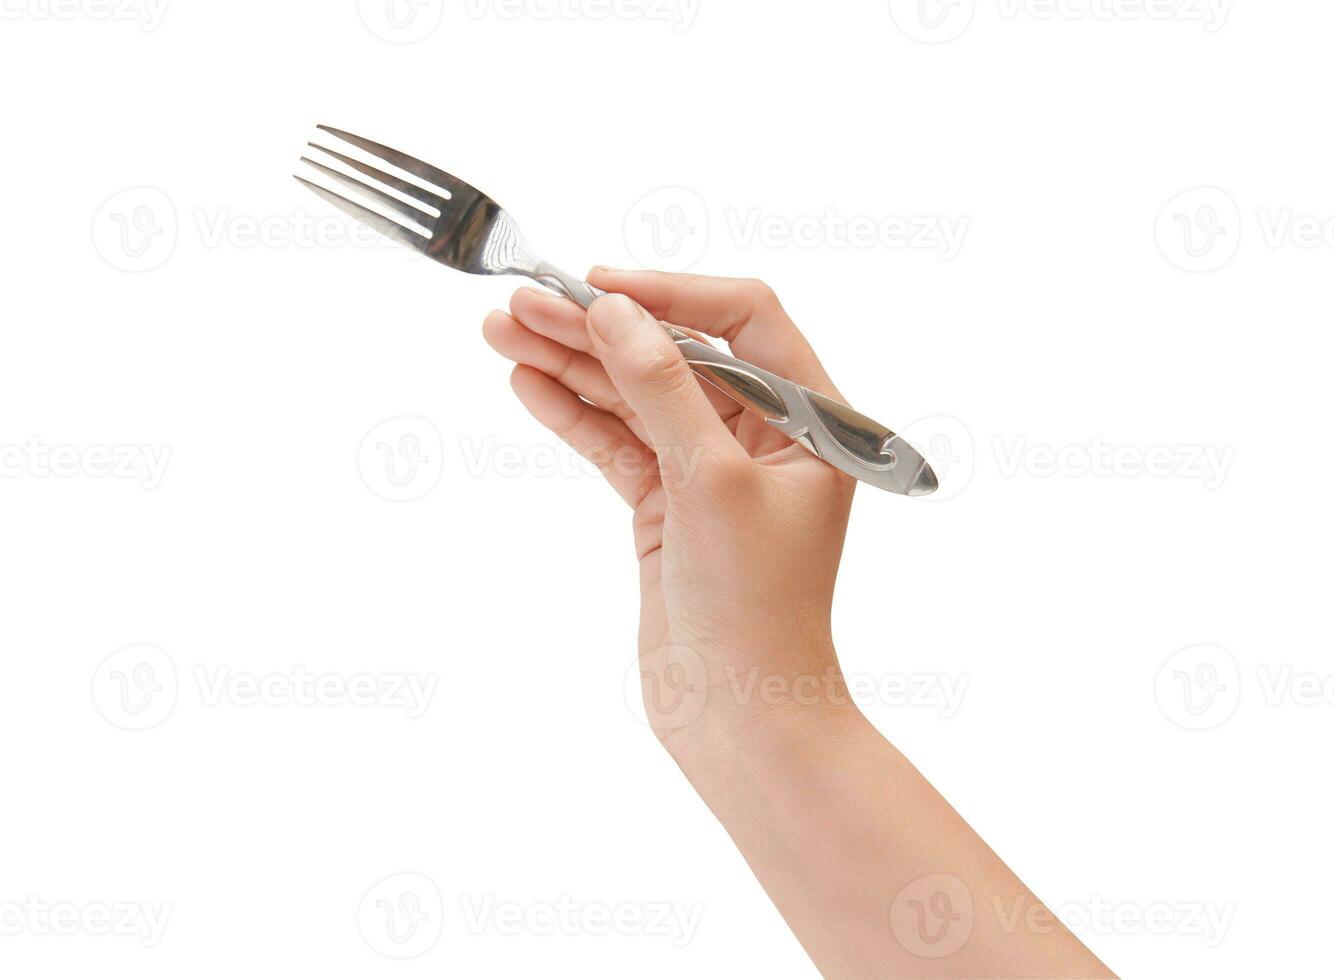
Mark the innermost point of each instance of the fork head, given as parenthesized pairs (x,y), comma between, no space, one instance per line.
(437,214)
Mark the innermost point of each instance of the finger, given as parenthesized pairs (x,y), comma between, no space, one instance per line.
(647,367)
(563,320)
(743,312)
(602,439)
(566,322)
(581,373)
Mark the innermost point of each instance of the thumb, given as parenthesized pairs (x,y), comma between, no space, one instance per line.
(648,370)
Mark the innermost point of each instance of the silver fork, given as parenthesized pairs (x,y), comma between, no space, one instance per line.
(459,226)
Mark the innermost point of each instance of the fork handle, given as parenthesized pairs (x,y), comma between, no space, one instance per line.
(843,438)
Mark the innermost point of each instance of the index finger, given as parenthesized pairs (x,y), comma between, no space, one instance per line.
(744,312)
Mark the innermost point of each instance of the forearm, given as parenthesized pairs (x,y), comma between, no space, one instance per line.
(875,873)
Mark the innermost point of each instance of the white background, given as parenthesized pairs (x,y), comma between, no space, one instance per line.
(1099,306)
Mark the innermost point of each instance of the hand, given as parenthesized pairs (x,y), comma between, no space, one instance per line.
(739,534)
(738,531)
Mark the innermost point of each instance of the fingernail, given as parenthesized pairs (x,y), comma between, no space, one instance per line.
(611,315)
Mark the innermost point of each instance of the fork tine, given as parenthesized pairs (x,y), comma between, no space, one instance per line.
(366,216)
(414,191)
(401,160)
(388,200)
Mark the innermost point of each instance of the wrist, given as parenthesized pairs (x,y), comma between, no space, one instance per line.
(747,719)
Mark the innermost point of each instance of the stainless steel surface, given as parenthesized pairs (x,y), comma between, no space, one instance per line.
(459,226)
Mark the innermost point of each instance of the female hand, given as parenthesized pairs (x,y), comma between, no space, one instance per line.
(738,531)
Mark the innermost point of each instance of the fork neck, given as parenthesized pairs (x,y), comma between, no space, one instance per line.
(571,287)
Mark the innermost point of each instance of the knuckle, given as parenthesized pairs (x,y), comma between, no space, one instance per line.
(664,371)
(759,295)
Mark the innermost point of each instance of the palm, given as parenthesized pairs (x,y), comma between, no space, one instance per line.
(565,386)
(653,539)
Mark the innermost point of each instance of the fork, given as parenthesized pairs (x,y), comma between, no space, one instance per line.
(457,225)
